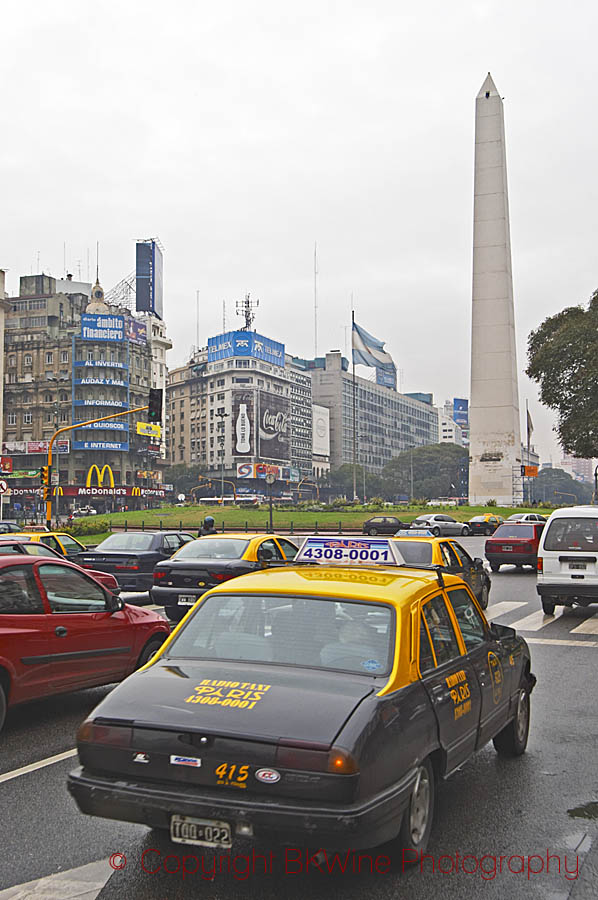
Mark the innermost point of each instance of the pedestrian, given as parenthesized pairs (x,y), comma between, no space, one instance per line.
(208,527)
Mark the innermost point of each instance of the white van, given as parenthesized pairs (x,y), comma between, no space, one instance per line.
(568,558)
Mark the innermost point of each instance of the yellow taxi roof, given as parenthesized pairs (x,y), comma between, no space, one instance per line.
(37,535)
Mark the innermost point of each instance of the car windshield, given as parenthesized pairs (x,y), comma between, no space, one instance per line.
(326,634)
(572,534)
(422,519)
(516,517)
(213,548)
(478,519)
(514,531)
(130,540)
(416,553)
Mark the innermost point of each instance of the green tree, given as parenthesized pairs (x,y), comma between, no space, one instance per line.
(563,360)
(183,478)
(556,486)
(341,482)
(439,470)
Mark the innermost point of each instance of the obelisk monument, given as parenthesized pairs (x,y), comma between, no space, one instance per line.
(495,439)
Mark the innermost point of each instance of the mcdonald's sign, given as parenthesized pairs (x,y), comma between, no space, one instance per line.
(136,492)
(58,492)
(100,475)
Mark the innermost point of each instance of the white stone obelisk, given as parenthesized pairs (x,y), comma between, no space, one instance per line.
(495,438)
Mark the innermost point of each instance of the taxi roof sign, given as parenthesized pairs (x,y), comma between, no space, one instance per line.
(413,532)
(342,551)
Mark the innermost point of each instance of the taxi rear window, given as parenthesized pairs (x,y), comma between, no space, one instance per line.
(572,534)
(416,553)
(514,531)
(213,548)
(304,631)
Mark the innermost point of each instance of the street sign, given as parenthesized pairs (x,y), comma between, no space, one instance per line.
(3,486)
(149,429)
(270,478)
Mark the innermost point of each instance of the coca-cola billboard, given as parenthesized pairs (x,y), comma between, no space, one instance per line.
(274,427)
(243,430)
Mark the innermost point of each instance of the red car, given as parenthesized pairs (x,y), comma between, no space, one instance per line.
(20,544)
(60,630)
(514,543)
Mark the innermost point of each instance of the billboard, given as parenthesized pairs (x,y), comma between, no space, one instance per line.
(135,331)
(260,470)
(245,343)
(100,445)
(461,411)
(387,378)
(274,427)
(34,447)
(102,327)
(149,278)
(321,431)
(243,430)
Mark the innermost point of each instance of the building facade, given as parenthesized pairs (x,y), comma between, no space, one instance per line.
(387,422)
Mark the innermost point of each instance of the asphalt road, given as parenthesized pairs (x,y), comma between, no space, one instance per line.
(515,809)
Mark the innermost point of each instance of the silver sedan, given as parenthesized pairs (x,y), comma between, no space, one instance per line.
(441,525)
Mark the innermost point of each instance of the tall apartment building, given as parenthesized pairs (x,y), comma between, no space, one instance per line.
(580,469)
(241,399)
(70,357)
(387,422)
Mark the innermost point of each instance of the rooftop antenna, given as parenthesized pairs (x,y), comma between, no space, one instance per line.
(64,257)
(224,315)
(245,308)
(88,268)
(97,262)
(79,268)
(38,262)
(315,299)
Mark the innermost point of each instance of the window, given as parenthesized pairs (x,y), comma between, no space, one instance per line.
(271,546)
(70,545)
(49,358)
(12,360)
(11,418)
(64,397)
(69,591)
(442,633)
(18,592)
(28,359)
(50,541)
(289,549)
(415,553)
(426,657)
(64,356)
(570,534)
(469,619)
(27,418)
(48,398)
(449,556)
(466,559)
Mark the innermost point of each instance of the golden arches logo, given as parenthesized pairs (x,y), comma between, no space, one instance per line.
(136,492)
(100,475)
(58,492)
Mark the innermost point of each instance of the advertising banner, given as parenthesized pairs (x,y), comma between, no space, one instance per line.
(108,426)
(17,447)
(461,411)
(149,429)
(100,445)
(102,327)
(245,343)
(149,278)
(135,331)
(245,470)
(321,431)
(6,465)
(274,427)
(387,378)
(263,469)
(243,430)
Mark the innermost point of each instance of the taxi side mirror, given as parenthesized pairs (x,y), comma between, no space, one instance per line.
(499,631)
(478,563)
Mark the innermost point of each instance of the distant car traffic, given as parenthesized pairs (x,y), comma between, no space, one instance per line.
(131,555)
(486,524)
(514,543)
(430,551)
(60,631)
(180,581)
(440,524)
(7,527)
(23,544)
(383,525)
(62,543)
(526,517)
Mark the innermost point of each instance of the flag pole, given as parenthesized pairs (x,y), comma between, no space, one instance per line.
(528,450)
(354,410)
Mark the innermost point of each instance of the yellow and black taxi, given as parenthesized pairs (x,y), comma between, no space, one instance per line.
(421,548)
(207,561)
(311,705)
(64,544)
(485,524)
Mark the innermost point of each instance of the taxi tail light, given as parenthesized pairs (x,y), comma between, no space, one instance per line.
(158,575)
(313,757)
(540,564)
(222,576)
(110,735)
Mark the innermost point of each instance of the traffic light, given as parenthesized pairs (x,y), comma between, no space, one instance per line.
(154,413)
(47,493)
(44,475)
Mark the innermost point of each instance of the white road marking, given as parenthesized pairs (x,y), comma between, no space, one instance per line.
(501,609)
(49,761)
(590,626)
(83,883)
(562,643)
(534,622)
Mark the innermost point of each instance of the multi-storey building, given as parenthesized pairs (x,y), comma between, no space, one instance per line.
(70,357)
(387,422)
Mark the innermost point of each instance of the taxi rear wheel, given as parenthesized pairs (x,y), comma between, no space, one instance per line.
(417,818)
(484,595)
(512,740)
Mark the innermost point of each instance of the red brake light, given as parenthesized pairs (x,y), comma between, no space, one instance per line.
(222,576)
(110,735)
(158,575)
(126,567)
(540,564)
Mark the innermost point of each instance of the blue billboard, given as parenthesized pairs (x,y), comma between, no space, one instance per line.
(149,278)
(101,445)
(245,343)
(387,378)
(102,327)
(460,411)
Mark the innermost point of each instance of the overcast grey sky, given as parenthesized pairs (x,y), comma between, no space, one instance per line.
(240,133)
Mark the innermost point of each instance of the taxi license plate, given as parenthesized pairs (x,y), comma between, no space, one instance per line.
(203,832)
(187,599)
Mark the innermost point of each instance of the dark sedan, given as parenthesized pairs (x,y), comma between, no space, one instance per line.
(485,525)
(383,525)
(132,555)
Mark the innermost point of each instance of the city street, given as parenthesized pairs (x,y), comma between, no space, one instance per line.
(521,810)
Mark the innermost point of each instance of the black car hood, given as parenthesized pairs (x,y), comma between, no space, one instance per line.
(283,702)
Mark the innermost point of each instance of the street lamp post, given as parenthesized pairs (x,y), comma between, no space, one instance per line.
(221,441)
(270,479)
(596,485)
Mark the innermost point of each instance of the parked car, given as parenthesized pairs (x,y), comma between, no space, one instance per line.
(22,544)
(7,527)
(440,524)
(568,559)
(526,517)
(430,551)
(131,555)
(180,581)
(514,543)
(486,524)
(60,631)
(383,525)
(63,543)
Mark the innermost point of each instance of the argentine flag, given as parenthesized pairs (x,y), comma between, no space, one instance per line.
(369,351)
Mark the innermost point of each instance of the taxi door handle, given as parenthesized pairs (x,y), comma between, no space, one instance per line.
(60,631)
